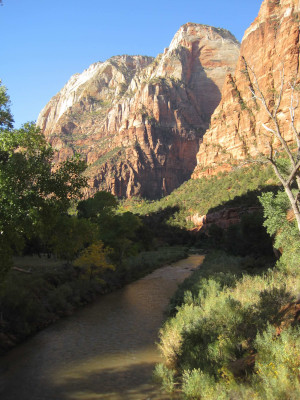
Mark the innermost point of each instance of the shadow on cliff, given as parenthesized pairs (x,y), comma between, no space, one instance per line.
(249,199)
(176,139)
(195,111)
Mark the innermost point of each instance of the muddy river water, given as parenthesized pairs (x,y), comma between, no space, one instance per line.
(106,350)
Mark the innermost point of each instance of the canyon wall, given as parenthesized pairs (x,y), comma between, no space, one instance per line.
(270,49)
(138,121)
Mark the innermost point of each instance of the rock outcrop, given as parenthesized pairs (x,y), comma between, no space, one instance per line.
(138,121)
(222,218)
(270,48)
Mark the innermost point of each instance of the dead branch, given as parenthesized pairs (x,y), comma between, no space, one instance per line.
(22,270)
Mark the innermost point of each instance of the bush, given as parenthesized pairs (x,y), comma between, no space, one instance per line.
(197,385)
(220,321)
(165,377)
(278,364)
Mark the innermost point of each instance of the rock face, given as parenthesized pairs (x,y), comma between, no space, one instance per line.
(223,218)
(269,46)
(138,120)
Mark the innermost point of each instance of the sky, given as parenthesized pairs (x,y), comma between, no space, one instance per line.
(45,42)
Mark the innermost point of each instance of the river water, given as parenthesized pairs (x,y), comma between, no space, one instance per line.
(106,350)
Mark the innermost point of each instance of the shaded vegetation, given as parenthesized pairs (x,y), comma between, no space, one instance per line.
(238,188)
(233,330)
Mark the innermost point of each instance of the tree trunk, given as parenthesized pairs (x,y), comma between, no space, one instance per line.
(294,205)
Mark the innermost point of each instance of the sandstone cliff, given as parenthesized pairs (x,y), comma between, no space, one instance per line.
(137,120)
(269,46)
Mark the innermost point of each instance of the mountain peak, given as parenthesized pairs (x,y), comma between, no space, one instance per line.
(138,120)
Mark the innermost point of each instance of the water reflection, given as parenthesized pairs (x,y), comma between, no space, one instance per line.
(104,351)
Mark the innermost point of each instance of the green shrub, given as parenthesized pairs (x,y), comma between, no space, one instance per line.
(165,377)
(219,318)
(277,366)
(199,386)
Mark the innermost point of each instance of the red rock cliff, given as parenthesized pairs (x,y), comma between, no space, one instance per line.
(138,121)
(270,45)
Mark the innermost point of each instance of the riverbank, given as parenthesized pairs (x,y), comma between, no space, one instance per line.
(42,290)
(234,331)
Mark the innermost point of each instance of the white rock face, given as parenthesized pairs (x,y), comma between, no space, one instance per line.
(67,96)
(74,90)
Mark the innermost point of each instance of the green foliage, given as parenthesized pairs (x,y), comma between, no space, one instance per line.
(69,235)
(111,156)
(123,232)
(199,385)
(235,189)
(165,377)
(286,234)
(6,119)
(94,260)
(119,232)
(221,316)
(30,189)
(278,364)
(29,302)
(102,203)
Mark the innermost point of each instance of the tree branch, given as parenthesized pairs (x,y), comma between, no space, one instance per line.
(293,173)
(292,114)
(273,116)
(22,270)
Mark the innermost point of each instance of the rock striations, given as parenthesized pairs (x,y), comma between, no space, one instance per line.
(269,46)
(137,120)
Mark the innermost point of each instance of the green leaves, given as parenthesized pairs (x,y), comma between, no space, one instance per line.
(102,203)
(32,193)
(6,119)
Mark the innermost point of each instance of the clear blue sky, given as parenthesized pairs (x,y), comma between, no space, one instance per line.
(45,42)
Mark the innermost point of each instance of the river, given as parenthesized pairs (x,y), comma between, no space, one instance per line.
(105,350)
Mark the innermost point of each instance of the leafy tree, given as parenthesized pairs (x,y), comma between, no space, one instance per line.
(281,226)
(102,203)
(94,260)
(6,119)
(69,235)
(30,188)
(119,233)
(28,183)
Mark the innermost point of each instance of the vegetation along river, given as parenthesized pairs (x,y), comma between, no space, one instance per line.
(106,350)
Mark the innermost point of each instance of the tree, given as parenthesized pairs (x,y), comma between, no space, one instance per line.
(119,233)
(28,183)
(6,119)
(284,157)
(65,235)
(29,186)
(94,260)
(102,203)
